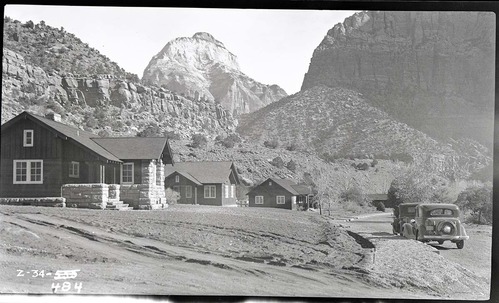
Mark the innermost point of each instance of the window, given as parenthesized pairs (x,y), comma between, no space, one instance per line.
(232,190)
(226,191)
(127,173)
(74,169)
(28,171)
(280,200)
(177,179)
(210,191)
(28,138)
(258,199)
(188,191)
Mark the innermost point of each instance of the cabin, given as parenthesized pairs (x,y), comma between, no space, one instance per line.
(377,199)
(204,182)
(280,193)
(42,157)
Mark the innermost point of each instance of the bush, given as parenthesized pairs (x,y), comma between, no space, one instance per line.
(152,130)
(171,135)
(362,166)
(353,194)
(171,196)
(374,163)
(292,146)
(199,140)
(380,206)
(274,143)
(231,140)
(277,162)
(291,165)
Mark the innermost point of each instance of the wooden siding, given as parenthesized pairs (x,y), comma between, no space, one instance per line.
(270,193)
(219,200)
(56,154)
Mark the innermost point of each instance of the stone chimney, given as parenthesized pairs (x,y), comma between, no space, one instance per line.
(53,116)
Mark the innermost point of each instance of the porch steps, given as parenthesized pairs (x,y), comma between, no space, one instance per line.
(117,205)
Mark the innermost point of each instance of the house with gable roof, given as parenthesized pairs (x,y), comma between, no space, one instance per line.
(279,193)
(204,182)
(41,157)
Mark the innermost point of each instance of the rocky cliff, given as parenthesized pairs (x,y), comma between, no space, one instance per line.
(201,67)
(432,70)
(29,87)
(339,123)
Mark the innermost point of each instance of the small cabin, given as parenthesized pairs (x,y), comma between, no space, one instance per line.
(280,193)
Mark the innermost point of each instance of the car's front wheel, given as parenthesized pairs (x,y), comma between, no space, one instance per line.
(460,244)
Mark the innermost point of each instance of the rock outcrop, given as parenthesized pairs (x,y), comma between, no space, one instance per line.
(25,85)
(202,68)
(432,70)
(338,123)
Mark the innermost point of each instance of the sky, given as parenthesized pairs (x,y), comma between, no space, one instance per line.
(272,46)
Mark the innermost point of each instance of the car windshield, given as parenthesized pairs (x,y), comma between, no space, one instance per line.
(441,212)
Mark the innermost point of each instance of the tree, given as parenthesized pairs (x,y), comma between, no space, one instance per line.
(291,165)
(277,162)
(479,200)
(274,143)
(199,140)
(152,130)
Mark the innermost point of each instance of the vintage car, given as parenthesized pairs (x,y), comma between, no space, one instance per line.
(404,213)
(437,222)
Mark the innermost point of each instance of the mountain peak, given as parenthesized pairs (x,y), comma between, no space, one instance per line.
(207,37)
(201,67)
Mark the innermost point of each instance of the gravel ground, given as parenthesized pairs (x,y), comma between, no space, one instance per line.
(212,250)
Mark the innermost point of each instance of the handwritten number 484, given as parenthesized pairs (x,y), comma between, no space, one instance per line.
(66,286)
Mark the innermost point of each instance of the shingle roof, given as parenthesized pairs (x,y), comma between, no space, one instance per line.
(290,185)
(302,189)
(81,137)
(203,171)
(128,148)
(378,196)
(287,184)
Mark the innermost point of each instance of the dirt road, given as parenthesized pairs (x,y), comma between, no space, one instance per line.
(475,256)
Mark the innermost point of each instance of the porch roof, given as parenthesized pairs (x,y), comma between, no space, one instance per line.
(135,148)
(204,171)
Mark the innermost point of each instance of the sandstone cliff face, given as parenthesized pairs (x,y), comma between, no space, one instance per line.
(432,70)
(201,67)
(25,85)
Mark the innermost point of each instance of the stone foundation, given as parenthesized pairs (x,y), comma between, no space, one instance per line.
(45,201)
(92,195)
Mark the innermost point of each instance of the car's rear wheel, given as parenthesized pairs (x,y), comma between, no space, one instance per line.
(460,244)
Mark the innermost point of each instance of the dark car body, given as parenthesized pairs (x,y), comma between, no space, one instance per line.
(439,222)
(406,212)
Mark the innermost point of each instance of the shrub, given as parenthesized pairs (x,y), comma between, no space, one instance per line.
(291,165)
(171,135)
(380,206)
(278,162)
(152,130)
(171,196)
(292,146)
(374,163)
(362,166)
(274,143)
(199,140)
(231,140)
